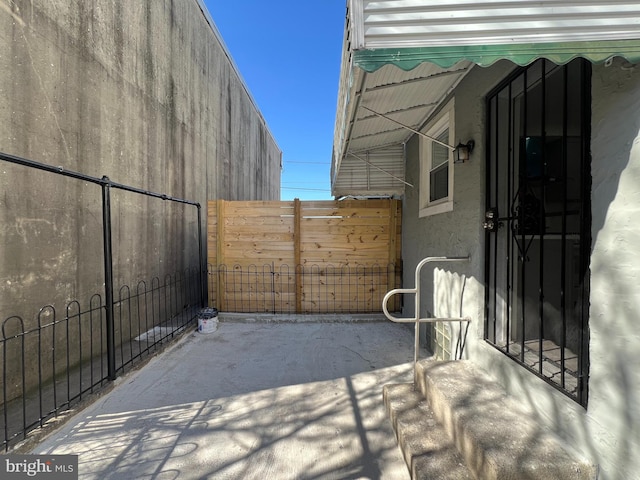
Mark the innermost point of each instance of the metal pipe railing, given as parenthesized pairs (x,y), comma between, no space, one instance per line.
(416,291)
(175,306)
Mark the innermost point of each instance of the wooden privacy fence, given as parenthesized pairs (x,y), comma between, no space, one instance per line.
(303,257)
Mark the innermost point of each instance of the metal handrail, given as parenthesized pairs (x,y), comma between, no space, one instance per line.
(416,291)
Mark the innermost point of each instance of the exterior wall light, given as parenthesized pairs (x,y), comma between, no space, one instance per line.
(462,153)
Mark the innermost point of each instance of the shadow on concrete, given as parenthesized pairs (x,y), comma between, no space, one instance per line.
(298,401)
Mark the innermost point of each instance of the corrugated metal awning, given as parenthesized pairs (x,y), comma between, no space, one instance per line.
(402,58)
(372,146)
(486,55)
(379,24)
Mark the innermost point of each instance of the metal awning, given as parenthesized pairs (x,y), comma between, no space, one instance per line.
(486,55)
(402,58)
(381,112)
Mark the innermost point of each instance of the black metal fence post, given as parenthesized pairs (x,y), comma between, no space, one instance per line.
(108,277)
(148,318)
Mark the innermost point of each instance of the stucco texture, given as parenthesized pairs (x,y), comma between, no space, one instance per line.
(607,431)
(614,382)
(142,92)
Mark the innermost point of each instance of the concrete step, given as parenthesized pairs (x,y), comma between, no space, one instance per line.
(497,438)
(428,451)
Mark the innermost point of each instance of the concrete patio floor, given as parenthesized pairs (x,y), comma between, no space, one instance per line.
(250,401)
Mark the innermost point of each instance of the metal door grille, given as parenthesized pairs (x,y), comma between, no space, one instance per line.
(538,221)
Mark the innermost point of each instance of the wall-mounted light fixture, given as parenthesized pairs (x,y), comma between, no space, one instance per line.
(462,153)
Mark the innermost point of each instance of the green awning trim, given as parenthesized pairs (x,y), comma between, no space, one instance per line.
(485,55)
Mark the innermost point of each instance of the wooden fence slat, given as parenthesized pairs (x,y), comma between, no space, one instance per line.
(345,221)
(220,258)
(289,239)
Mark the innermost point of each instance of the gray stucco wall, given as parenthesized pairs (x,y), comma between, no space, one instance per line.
(142,92)
(608,430)
(459,232)
(614,398)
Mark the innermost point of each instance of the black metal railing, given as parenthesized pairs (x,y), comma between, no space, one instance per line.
(313,288)
(51,367)
(54,360)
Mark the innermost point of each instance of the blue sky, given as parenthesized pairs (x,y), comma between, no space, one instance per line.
(288,53)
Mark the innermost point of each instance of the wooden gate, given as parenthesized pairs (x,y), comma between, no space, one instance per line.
(300,257)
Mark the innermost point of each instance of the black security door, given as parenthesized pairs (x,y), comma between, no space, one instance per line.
(538,221)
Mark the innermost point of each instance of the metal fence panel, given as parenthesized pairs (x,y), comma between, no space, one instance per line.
(53,360)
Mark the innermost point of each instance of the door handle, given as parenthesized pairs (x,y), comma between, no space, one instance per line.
(491,220)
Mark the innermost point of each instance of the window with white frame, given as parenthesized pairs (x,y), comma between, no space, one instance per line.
(436,165)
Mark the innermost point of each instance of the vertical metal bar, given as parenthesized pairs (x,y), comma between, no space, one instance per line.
(310,287)
(325,304)
(237,292)
(350,270)
(53,363)
(139,318)
(223,276)
(331,289)
(371,288)
(522,183)
(496,237)
(5,414)
(168,304)
(277,289)
(245,298)
(314,278)
(202,261)
(120,324)
(365,294)
(286,300)
(174,281)
(563,234)
(40,365)
(585,228)
(187,294)
(175,311)
(146,310)
(416,314)
(92,309)
(416,341)
(24,382)
(509,226)
(329,278)
(353,273)
(248,293)
(80,364)
(541,220)
(273,287)
(192,278)
(253,288)
(494,161)
(108,277)
(361,287)
(491,155)
(68,366)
